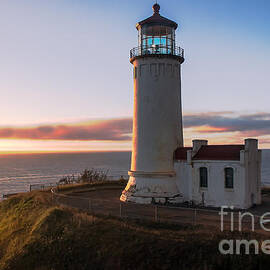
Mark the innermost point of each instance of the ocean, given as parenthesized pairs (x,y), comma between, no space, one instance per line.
(18,172)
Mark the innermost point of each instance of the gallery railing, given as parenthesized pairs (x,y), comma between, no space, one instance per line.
(157,49)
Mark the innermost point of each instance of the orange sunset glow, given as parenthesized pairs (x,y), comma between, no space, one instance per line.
(115,134)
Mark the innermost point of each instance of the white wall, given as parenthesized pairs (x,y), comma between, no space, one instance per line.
(157,130)
(157,120)
(184,179)
(215,195)
(252,161)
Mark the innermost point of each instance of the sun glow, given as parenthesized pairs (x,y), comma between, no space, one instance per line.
(10,146)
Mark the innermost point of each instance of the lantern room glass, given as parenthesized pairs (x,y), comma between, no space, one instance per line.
(156,39)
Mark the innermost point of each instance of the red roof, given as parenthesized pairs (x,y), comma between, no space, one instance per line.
(219,152)
(181,153)
(211,152)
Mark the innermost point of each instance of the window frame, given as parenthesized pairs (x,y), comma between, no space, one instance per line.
(205,186)
(227,184)
(163,39)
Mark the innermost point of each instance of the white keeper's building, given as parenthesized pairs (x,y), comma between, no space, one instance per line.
(162,169)
(216,175)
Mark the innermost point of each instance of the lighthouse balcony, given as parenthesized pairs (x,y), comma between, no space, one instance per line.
(157,49)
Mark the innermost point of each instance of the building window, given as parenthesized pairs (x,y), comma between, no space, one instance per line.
(229,177)
(203,177)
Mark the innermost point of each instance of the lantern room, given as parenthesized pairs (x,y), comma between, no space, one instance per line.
(156,35)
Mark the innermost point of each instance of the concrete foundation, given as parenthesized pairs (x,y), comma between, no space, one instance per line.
(149,188)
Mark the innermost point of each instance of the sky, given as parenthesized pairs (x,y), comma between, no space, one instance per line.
(66,81)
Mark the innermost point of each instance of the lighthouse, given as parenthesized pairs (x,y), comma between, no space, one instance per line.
(157,119)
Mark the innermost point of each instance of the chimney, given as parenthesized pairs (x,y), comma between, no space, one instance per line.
(197,145)
(251,144)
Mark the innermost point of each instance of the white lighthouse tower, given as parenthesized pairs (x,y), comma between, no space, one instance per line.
(157,121)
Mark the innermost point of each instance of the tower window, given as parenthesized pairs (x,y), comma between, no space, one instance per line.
(203,177)
(229,177)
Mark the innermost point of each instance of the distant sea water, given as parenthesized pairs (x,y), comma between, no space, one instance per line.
(17,172)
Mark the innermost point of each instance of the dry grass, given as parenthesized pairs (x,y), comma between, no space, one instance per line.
(35,234)
(85,186)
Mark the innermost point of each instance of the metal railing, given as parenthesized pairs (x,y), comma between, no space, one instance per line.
(44,186)
(50,185)
(41,186)
(157,49)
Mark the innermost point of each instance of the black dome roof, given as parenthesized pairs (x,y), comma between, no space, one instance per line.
(156,19)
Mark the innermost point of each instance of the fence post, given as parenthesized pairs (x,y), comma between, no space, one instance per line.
(55,199)
(195,217)
(90,206)
(120,210)
(156,213)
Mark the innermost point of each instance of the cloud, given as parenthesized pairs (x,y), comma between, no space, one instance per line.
(252,124)
(113,129)
(248,125)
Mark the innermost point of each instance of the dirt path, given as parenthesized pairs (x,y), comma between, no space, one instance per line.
(105,201)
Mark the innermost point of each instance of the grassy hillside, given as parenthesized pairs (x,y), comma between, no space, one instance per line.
(34,234)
